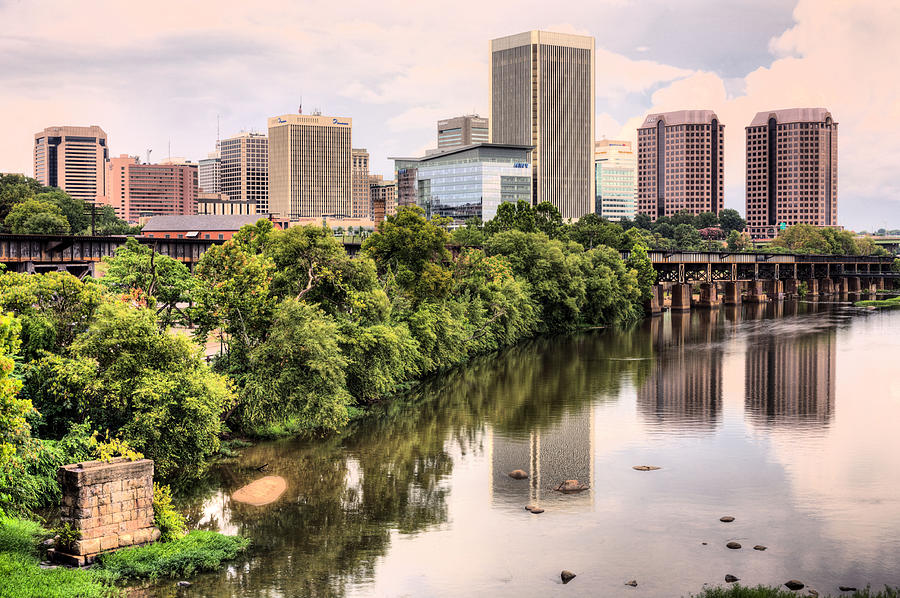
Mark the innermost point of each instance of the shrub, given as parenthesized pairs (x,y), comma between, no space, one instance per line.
(170,522)
(196,552)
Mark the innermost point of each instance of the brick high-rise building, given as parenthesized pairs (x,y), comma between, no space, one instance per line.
(310,166)
(73,159)
(135,190)
(244,169)
(361,206)
(681,165)
(384,197)
(462,130)
(542,95)
(792,163)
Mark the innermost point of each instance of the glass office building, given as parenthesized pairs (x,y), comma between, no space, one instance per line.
(470,181)
(614,169)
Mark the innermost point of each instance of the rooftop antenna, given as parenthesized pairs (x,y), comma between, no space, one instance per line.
(300,109)
(148,155)
(218,135)
(170,149)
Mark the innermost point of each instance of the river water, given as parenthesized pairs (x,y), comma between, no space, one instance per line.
(784,416)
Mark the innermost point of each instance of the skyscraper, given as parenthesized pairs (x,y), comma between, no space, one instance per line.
(542,94)
(462,130)
(310,166)
(614,164)
(244,169)
(791,170)
(681,163)
(73,159)
(209,173)
(361,205)
(384,197)
(135,190)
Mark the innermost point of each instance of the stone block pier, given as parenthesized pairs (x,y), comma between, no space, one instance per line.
(109,503)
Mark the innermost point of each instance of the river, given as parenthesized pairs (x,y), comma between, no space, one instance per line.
(784,416)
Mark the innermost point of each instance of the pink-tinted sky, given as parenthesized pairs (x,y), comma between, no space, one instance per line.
(159,73)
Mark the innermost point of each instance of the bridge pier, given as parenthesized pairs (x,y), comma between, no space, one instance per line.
(733,293)
(853,284)
(879,283)
(775,290)
(755,292)
(681,297)
(653,306)
(812,287)
(709,295)
(827,286)
(791,287)
(843,287)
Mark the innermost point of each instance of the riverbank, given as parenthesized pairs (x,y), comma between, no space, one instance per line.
(739,591)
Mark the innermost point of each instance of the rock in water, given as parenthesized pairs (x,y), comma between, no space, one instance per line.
(530,507)
(731,578)
(759,547)
(793,584)
(566,576)
(645,467)
(632,583)
(518,474)
(812,592)
(726,519)
(847,588)
(184,584)
(537,510)
(733,545)
(571,486)
(261,492)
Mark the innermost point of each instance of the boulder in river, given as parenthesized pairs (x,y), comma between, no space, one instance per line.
(184,584)
(759,547)
(731,578)
(847,588)
(794,584)
(530,507)
(518,474)
(566,576)
(570,486)
(733,545)
(726,519)
(261,492)
(632,583)
(537,510)
(645,467)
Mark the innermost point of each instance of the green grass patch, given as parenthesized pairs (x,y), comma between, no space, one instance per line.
(22,577)
(892,302)
(292,426)
(739,591)
(21,536)
(196,552)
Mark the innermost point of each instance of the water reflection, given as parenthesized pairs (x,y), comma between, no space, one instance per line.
(739,405)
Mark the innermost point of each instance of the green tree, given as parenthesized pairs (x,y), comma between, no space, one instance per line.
(591,230)
(513,216)
(639,261)
(683,217)
(664,229)
(730,220)
(14,409)
(687,237)
(15,189)
(802,238)
(165,280)
(643,221)
(548,219)
(71,207)
(706,220)
(35,217)
(737,241)
(470,235)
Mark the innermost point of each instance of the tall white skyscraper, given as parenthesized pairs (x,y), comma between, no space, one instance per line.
(210,174)
(615,165)
(542,94)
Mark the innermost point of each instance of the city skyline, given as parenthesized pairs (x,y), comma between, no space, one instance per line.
(396,79)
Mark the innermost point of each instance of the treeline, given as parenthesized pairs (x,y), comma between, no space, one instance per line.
(307,334)
(27,207)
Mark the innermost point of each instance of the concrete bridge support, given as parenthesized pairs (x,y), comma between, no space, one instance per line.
(843,286)
(709,295)
(755,292)
(853,284)
(775,290)
(653,306)
(791,287)
(812,287)
(733,293)
(879,283)
(681,297)
(827,286)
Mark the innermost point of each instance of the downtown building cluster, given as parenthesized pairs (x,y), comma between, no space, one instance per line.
(537,144)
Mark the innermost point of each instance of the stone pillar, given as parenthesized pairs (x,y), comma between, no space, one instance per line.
(827,286)
(791,287)
(812,287)
(853,284)
(654,305)
(733,293)
(110,503)
(775,290)
(755,292)
(709,295)
(843,287)
(681,297)
(879,283)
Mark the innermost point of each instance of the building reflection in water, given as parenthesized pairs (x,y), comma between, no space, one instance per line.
(551,456)
(684,389)
(790,379)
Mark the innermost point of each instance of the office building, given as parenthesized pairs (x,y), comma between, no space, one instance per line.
(360,206)
(681,165)
(73,159)
(310,166)
(210,204)
(244,169)
(792,163)
(383,197)
(462,130)
(542,95)
(209,173)
(616,185)
(136,190)
(469,181)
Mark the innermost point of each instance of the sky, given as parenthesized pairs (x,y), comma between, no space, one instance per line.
(160,75)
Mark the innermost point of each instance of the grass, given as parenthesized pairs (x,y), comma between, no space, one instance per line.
(196,552)
(21,536)
(292,426)
(739,591)
(892,302)
(22,577)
